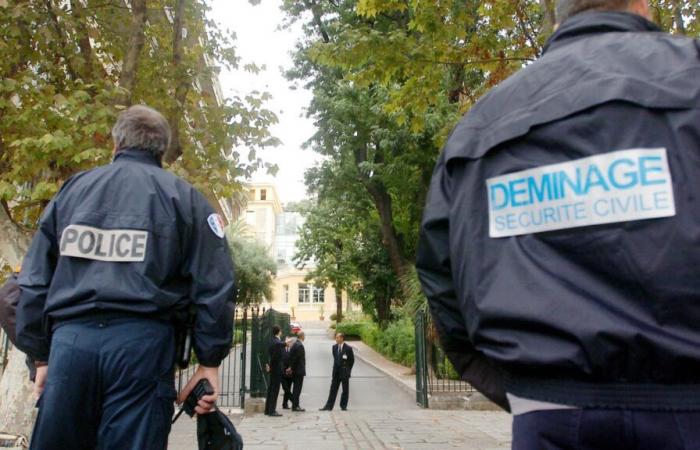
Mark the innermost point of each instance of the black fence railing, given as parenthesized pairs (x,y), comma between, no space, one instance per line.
(261,333)
(434,372)
(232,372)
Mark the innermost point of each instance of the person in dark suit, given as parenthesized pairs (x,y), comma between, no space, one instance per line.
(297,365)
(343,360)
(287,376)
(274,367)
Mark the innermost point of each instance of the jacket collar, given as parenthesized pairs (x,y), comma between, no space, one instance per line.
(136,154)
(596,22)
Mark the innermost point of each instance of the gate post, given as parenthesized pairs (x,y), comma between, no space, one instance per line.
(421,360)
(244,354)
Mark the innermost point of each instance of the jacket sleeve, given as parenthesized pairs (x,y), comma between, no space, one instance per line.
(209,268)
(35,280)
(435,272)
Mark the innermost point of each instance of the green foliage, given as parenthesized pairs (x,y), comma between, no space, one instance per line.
(60,92)
(396,341)
(350,329)
(254,270)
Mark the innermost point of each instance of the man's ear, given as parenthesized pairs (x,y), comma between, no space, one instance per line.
(642,8)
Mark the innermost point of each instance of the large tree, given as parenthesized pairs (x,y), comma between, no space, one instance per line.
(67,68)
(391,78)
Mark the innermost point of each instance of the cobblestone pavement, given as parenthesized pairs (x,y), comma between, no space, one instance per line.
(410,430)
(364,430)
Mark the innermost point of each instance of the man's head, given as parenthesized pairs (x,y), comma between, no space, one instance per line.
(339,338)
(568,8)
(301,336)
(276,330)
(142,128)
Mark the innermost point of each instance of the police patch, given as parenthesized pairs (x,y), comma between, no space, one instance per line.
(216,224)
(81,241)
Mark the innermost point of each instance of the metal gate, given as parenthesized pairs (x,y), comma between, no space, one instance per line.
(261,333)
(232,372)
(434,372)
(421,361)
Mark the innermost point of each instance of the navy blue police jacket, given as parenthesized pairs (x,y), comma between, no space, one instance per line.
(560,243)
(124,239)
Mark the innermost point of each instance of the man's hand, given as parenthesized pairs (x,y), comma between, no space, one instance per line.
(42,373)
(206,403)
(267,368)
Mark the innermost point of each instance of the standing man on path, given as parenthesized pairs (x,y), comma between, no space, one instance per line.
(559,247)
(297,364)
(287,377)
(110,263)
(343,360)
(274,367)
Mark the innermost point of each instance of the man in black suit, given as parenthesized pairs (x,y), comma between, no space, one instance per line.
(287,377)
(343,360)
(274,367)
(297,365)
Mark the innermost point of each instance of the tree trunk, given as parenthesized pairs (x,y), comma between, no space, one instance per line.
(181,86)
(17,410)
(390,239)
(137,38)
(383,305)
(338,304)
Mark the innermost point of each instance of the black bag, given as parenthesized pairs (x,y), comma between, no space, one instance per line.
(216,432)
(9,297)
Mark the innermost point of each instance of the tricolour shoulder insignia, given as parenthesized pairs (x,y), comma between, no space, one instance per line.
(216,223)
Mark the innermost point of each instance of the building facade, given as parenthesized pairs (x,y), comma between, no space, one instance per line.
(278,231)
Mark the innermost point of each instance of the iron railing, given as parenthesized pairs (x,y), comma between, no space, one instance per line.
(434,372)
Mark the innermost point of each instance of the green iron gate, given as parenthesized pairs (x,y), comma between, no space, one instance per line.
(434,372)
(261,333)
(421,361)
(232,371)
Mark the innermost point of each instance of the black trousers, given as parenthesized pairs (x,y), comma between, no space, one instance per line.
(335,384)
(110,386)
(599,429)
(297,382)
(273,391)
(287,388)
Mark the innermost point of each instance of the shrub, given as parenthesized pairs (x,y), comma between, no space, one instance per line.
(334,317)
(350,328)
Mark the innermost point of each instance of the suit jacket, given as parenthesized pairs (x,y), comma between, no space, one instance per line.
(286,360)
(275,351)
(297,359)
(343,361)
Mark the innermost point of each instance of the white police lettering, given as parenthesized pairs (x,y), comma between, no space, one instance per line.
(216,224)
(81,241)
(613,187)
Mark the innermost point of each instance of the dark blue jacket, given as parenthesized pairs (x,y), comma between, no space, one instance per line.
(599,315)
(152,245)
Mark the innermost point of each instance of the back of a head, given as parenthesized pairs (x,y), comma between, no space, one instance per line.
(276,330)
(568,8)
(142,128)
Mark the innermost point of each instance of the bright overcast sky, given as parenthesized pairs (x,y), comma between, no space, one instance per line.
(259,41)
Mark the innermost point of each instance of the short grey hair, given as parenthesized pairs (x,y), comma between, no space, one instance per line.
(143,128)
(568,8)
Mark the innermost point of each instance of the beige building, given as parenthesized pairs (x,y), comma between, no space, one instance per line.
(278,231)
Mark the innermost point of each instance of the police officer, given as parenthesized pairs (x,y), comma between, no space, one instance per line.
(118,249)
(560,244)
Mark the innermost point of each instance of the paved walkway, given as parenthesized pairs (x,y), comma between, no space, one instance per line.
(382,413)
